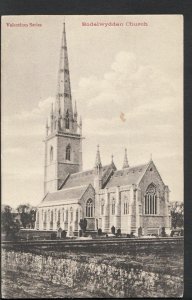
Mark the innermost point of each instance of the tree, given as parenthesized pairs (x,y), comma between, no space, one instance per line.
(83,224)
(177,214)
(10,226)
(27,215)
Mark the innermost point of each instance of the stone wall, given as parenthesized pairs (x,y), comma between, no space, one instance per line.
(91,275)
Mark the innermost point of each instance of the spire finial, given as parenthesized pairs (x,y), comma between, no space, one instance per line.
(98,158)
(125,162)
(47,127)
(64,24)
(112,158)
(52,109)
(75,109)
(151,157)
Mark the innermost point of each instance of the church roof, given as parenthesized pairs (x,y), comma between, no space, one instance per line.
(79,179)
(127,176)
(65,194)
(82,178)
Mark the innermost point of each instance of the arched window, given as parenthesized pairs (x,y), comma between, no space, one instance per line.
(102,207)
(68,153)
(45,220)
(89,208)
(113,206)
(67,120)
(77,215)
(45,217)
(51,216)
(63,214)
(126,206)
(51,153)
(151,200)
(71,214)
(67,215)
(59,215)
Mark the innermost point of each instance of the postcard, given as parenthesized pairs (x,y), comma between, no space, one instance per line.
(92,156)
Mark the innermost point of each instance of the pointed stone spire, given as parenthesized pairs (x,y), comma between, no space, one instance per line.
(125,162)
(98,159)
(64,99)
(112,158)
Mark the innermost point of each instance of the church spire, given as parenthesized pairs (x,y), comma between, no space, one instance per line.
(125,162)
(64,99)
(98,159)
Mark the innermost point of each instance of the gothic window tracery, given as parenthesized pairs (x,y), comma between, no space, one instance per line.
(151,200)
(68,153)
(89,208)
(126,206)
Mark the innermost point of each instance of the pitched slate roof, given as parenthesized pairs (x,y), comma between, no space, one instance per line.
(66,194)
(127,176)
(82,178)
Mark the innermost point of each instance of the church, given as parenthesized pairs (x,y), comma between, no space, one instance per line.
(131,199)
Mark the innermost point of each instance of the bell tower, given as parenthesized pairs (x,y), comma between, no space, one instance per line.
(63,141)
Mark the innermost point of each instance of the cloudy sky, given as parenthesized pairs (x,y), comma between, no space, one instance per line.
(132,70)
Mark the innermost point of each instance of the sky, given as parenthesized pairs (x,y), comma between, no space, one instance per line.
(134,71)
